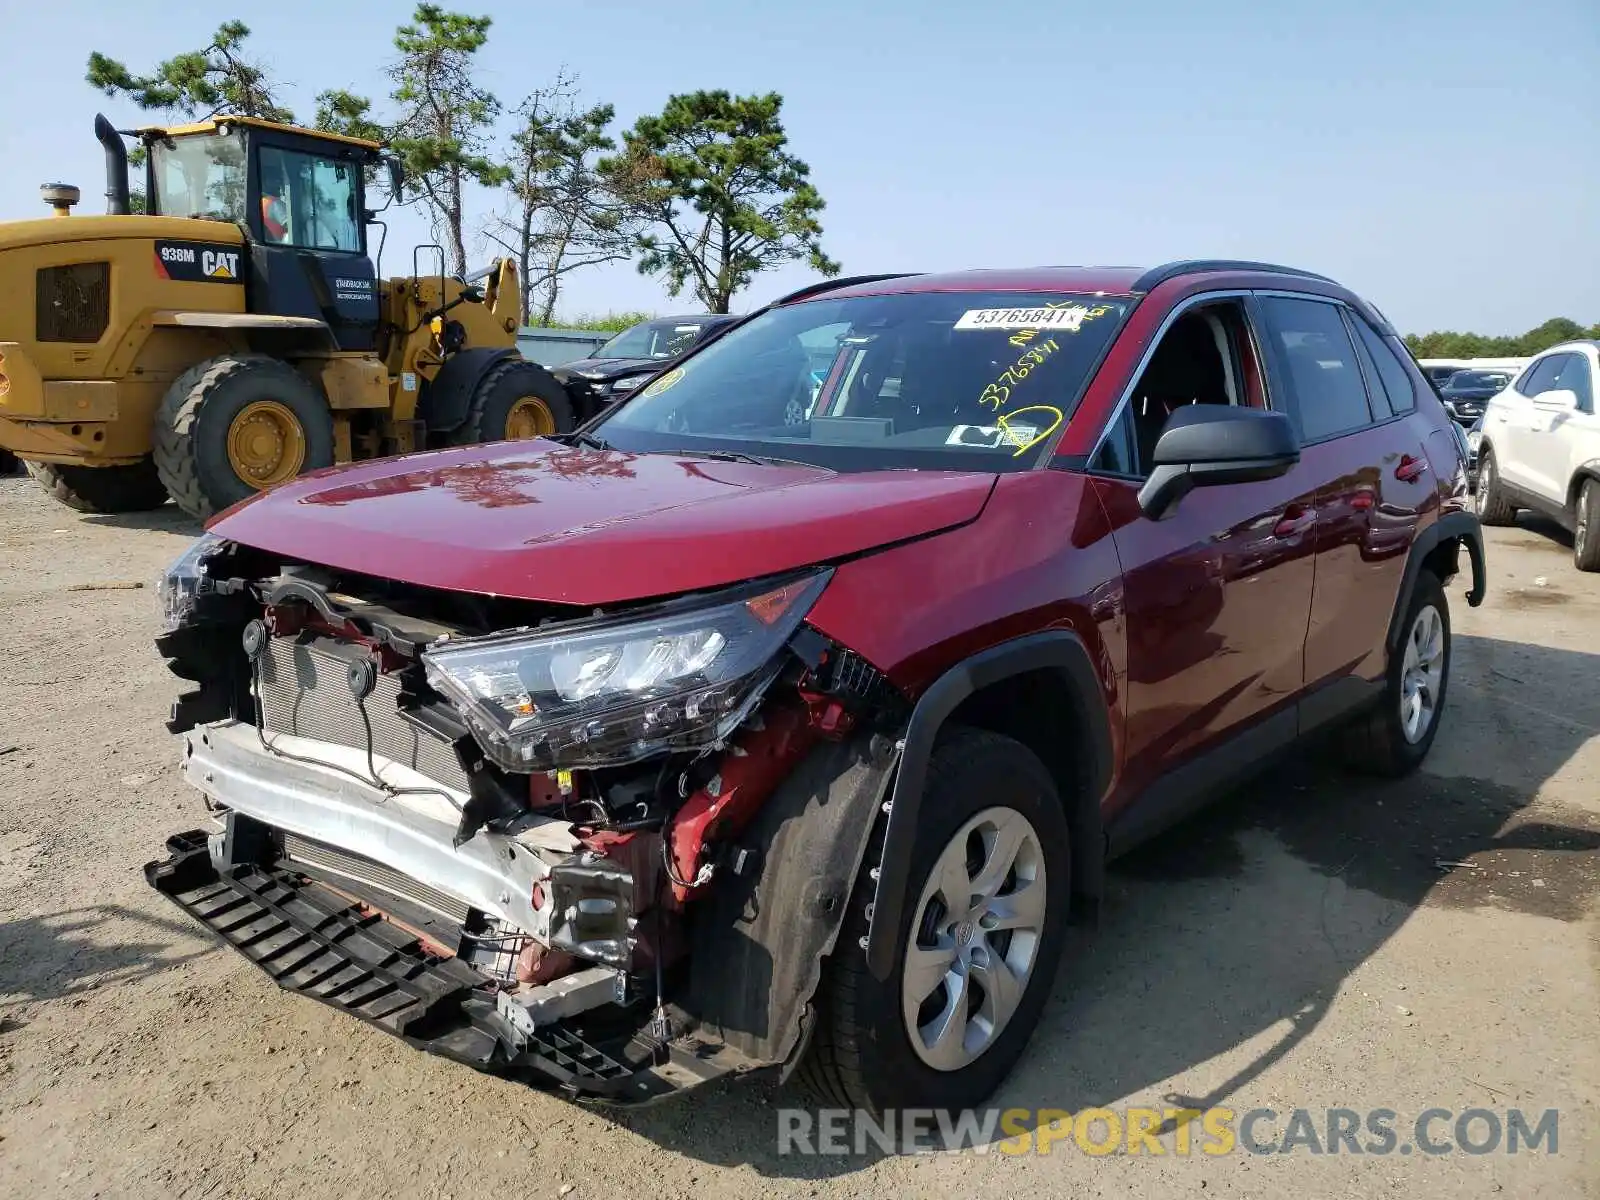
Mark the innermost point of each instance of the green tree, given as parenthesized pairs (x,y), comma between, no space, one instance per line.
(1449,344)
(718,195)
(441,133)
(561,215)
(217,79)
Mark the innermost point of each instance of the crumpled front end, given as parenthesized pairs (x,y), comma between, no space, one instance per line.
(510,835)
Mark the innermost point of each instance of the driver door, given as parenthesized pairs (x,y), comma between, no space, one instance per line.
(1217,594)
(1554,417)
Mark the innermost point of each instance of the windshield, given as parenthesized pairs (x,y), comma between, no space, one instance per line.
(652,339)
(940,380)
(1478,380)
(199,176)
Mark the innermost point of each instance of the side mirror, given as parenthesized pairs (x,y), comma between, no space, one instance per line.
(397,176)
(1557,400)
(1206,444)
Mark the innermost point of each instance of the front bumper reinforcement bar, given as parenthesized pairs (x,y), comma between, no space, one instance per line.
(314,941)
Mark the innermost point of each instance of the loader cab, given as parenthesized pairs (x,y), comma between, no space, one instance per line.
(299,195)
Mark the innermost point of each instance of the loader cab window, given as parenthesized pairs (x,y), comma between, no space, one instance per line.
(309,201)
(199,176)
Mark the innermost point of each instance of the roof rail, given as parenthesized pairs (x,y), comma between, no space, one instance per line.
(828,285)
(1193,266)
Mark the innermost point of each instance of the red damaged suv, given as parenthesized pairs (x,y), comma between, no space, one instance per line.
(777,716)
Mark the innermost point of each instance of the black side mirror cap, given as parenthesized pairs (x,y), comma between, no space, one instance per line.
(1204,445)
(397,177)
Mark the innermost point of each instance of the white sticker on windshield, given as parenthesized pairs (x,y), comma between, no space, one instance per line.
(991,436)
(1065,316)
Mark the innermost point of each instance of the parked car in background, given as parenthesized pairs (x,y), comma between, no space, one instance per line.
(1468,391)
(1540,447)
(776,722)
(634,355)
(1474,440)
(1439,373)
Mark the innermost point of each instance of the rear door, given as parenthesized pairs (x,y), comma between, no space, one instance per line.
(1368,457)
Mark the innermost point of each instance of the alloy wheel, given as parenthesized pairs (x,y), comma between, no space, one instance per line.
(975,939)
(1422,673)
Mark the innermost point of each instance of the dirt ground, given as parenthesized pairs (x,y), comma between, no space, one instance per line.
(1313,941)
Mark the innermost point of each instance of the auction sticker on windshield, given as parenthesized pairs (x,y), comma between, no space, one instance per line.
(1052,316)
(669,380)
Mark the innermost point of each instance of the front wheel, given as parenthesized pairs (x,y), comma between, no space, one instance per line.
(1586,527)
(1493,507)
(978,946)
(516,399)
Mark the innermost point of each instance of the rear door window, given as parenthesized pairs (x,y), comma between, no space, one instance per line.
(1327,392)
(1396,380)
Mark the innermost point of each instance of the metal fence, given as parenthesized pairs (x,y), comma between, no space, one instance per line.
(552,347)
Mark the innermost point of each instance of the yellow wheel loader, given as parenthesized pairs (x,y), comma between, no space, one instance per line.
(236,334)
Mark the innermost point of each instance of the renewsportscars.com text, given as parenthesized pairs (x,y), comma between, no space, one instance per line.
(1170,1131)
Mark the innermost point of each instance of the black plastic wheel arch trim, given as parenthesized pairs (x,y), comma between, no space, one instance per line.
(1462,526)
(1058,650)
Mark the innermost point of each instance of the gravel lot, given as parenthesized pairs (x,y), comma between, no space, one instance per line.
(1313,941)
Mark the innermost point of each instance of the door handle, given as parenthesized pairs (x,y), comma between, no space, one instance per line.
(1410,468)
(1295,518)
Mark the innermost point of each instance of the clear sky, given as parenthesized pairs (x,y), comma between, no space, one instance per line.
(1440,156)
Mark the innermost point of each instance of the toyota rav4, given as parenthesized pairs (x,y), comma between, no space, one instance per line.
(780,716)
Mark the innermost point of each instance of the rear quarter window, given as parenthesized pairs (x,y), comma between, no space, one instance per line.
(1392,374)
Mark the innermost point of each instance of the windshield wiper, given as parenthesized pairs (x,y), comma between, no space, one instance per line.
(588,439)
(761,460)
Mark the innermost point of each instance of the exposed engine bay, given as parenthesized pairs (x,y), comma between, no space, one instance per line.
(532,838)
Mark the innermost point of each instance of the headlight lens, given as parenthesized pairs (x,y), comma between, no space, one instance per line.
(185,581)
(627,383)
(620,690)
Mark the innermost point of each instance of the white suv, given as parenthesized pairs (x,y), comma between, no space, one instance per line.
(1541,447)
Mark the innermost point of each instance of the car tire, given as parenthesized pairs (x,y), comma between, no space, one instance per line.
(125,489)
(205,442)
(983,791)
(1493,507)
(515,399)
(1586,527)
(1386,740)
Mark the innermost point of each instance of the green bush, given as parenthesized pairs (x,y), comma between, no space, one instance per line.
(614,322)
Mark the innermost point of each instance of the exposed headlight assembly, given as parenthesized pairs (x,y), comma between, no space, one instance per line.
(614,691)
(185,581)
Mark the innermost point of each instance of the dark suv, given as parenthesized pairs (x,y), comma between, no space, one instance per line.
(777,717)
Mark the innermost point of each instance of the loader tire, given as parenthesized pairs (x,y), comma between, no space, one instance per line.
(135,488)
(515,399)
(236,425)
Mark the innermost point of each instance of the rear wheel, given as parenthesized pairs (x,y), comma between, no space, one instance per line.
(1394,736)
(1493,507)
(516,399)
(133,488)
(1586,527)
(978,946)
(237,425)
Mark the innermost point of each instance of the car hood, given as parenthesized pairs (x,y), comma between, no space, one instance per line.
(610,367)
(536,520)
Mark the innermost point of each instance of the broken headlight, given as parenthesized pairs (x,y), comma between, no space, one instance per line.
(616,691)
(185,581)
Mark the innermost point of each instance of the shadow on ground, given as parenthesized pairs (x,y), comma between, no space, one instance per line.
(1240,926)
(169,518)
(57,955)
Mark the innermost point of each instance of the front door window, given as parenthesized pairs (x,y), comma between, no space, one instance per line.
(309,201)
